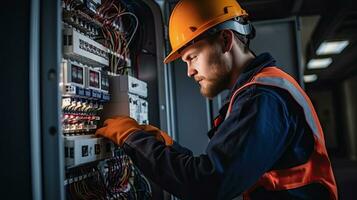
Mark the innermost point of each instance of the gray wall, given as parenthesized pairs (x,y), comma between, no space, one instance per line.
(281,38)
(191,112)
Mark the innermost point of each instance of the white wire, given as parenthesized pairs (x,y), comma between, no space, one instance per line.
(136,26)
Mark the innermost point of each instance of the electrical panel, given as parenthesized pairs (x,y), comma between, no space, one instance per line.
(98,81)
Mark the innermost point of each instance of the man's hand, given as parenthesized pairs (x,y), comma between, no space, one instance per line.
(120,128)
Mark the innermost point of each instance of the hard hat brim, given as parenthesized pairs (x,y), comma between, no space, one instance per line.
(174,53)
(172,56)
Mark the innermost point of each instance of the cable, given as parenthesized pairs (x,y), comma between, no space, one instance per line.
(136,26)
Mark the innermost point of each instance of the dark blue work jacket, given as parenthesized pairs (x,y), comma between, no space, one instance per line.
(266,130)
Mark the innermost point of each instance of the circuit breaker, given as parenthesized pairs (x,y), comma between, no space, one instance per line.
(80,150)
(81,47)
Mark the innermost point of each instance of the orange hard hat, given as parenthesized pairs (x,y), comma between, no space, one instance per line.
(191,18)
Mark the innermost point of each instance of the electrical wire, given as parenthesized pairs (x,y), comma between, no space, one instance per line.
(136,26)
(119,180)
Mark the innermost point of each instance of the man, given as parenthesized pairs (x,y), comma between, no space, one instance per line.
(267,142)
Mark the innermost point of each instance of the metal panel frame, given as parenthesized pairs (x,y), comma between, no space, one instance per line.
(47,163)
(167,74)
(50,58)
(34,89)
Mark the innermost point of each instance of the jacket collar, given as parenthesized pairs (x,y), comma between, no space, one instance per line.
(256,65)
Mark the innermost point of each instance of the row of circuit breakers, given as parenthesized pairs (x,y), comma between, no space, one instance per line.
(90,94)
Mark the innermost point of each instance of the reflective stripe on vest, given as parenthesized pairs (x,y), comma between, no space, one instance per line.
(318,167)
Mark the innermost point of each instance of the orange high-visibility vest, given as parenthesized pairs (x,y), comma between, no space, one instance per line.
(318,168)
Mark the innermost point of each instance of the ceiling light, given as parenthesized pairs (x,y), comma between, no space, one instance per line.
(319,63)
(334,47)
(310,78)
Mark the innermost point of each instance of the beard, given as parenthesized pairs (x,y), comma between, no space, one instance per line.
(211,87)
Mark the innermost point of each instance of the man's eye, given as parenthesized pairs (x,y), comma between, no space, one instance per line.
(193,57)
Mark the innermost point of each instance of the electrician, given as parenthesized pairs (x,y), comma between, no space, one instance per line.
(267,142)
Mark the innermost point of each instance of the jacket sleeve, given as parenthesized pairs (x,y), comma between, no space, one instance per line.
(245,146)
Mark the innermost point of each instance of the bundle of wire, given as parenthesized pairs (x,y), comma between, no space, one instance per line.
(120,179)
(110,13)
(88,188)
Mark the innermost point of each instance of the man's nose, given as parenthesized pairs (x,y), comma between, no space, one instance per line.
(191,70)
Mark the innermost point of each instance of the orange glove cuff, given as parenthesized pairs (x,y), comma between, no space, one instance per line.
(159,134)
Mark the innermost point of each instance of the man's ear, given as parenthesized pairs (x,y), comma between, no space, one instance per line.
(228,38)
